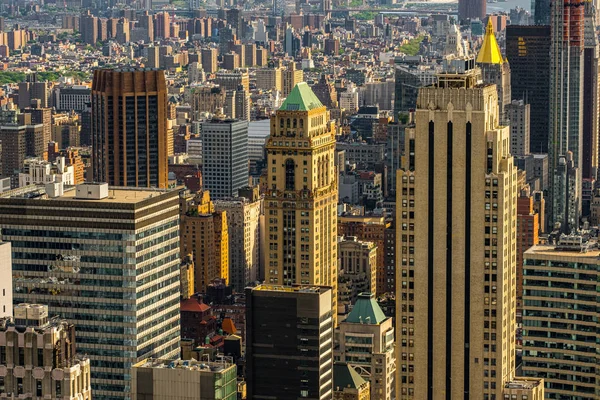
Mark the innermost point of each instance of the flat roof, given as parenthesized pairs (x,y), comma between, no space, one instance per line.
(191,365)
(115,194)
(592,256)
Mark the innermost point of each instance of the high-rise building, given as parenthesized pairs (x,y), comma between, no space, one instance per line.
(348,384)
(204,235)
(456,225)
(109,263)
(357,270)
(519,116)
(528,49)
(33,89)
(162,25)
(291,76)
(560,309)
(129,128)
(6,298)
(224,157)
(301,195)
(38,356)
(289,335)
(269,79)
(495,69)
(243,224)
(591,95)
(371,229)
(566,107)
(368,331)
(472,9)
(89,29)
(209,60)
(541,12)
(325,91)
(184,379)
(528,228)
(231,80)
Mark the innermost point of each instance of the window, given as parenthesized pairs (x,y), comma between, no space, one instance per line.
(290,181)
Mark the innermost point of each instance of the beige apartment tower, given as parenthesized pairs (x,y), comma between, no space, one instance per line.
(301,195)
(456,265)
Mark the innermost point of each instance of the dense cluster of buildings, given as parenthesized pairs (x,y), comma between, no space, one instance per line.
(311,200)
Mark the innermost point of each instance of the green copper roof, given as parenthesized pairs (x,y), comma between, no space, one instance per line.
(301,98)
(366,311)
(345,376)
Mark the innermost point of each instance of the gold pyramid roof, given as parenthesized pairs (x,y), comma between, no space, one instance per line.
(490,51)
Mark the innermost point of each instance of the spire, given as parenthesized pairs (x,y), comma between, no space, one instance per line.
(490,51)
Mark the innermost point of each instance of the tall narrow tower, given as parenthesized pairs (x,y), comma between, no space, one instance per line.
(129,128)
(495,69)
(566,107)
(302,193)
(457,234)
(591,99)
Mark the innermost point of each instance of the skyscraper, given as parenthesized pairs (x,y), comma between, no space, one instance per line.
(224,157)
(289,342)
(566,105)
(129,127)
(471,9)
(204,235)
(301,194)
(591,95)
(528,49)
(106,260)
(560,311)
(456,223)
(495,69)
(367,320)
(243,224)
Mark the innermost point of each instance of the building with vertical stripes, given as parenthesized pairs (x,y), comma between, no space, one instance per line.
(457,198)
(129,128)
(105,259)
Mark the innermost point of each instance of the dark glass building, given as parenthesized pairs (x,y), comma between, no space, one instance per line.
(289,336)
(528,51)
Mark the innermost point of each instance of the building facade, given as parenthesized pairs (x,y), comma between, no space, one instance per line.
(528,49)
(6,299)
(566,109)
(106,260)
(154,379)
(204,235)
(357,270)
(38,359)
(301,195)
(224,157)
(243,224)
(129,128)
(456,314)
(519,115)
(366,342)
(289,335)
(560,310)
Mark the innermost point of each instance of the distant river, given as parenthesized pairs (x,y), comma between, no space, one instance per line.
(508,5)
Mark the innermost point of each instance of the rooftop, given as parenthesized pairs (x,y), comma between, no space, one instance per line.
(523,383)
(345,376)
(366,311)
(191,365)
(115,194)
(591,255)
(290,289)
(301,98)
(490,51)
